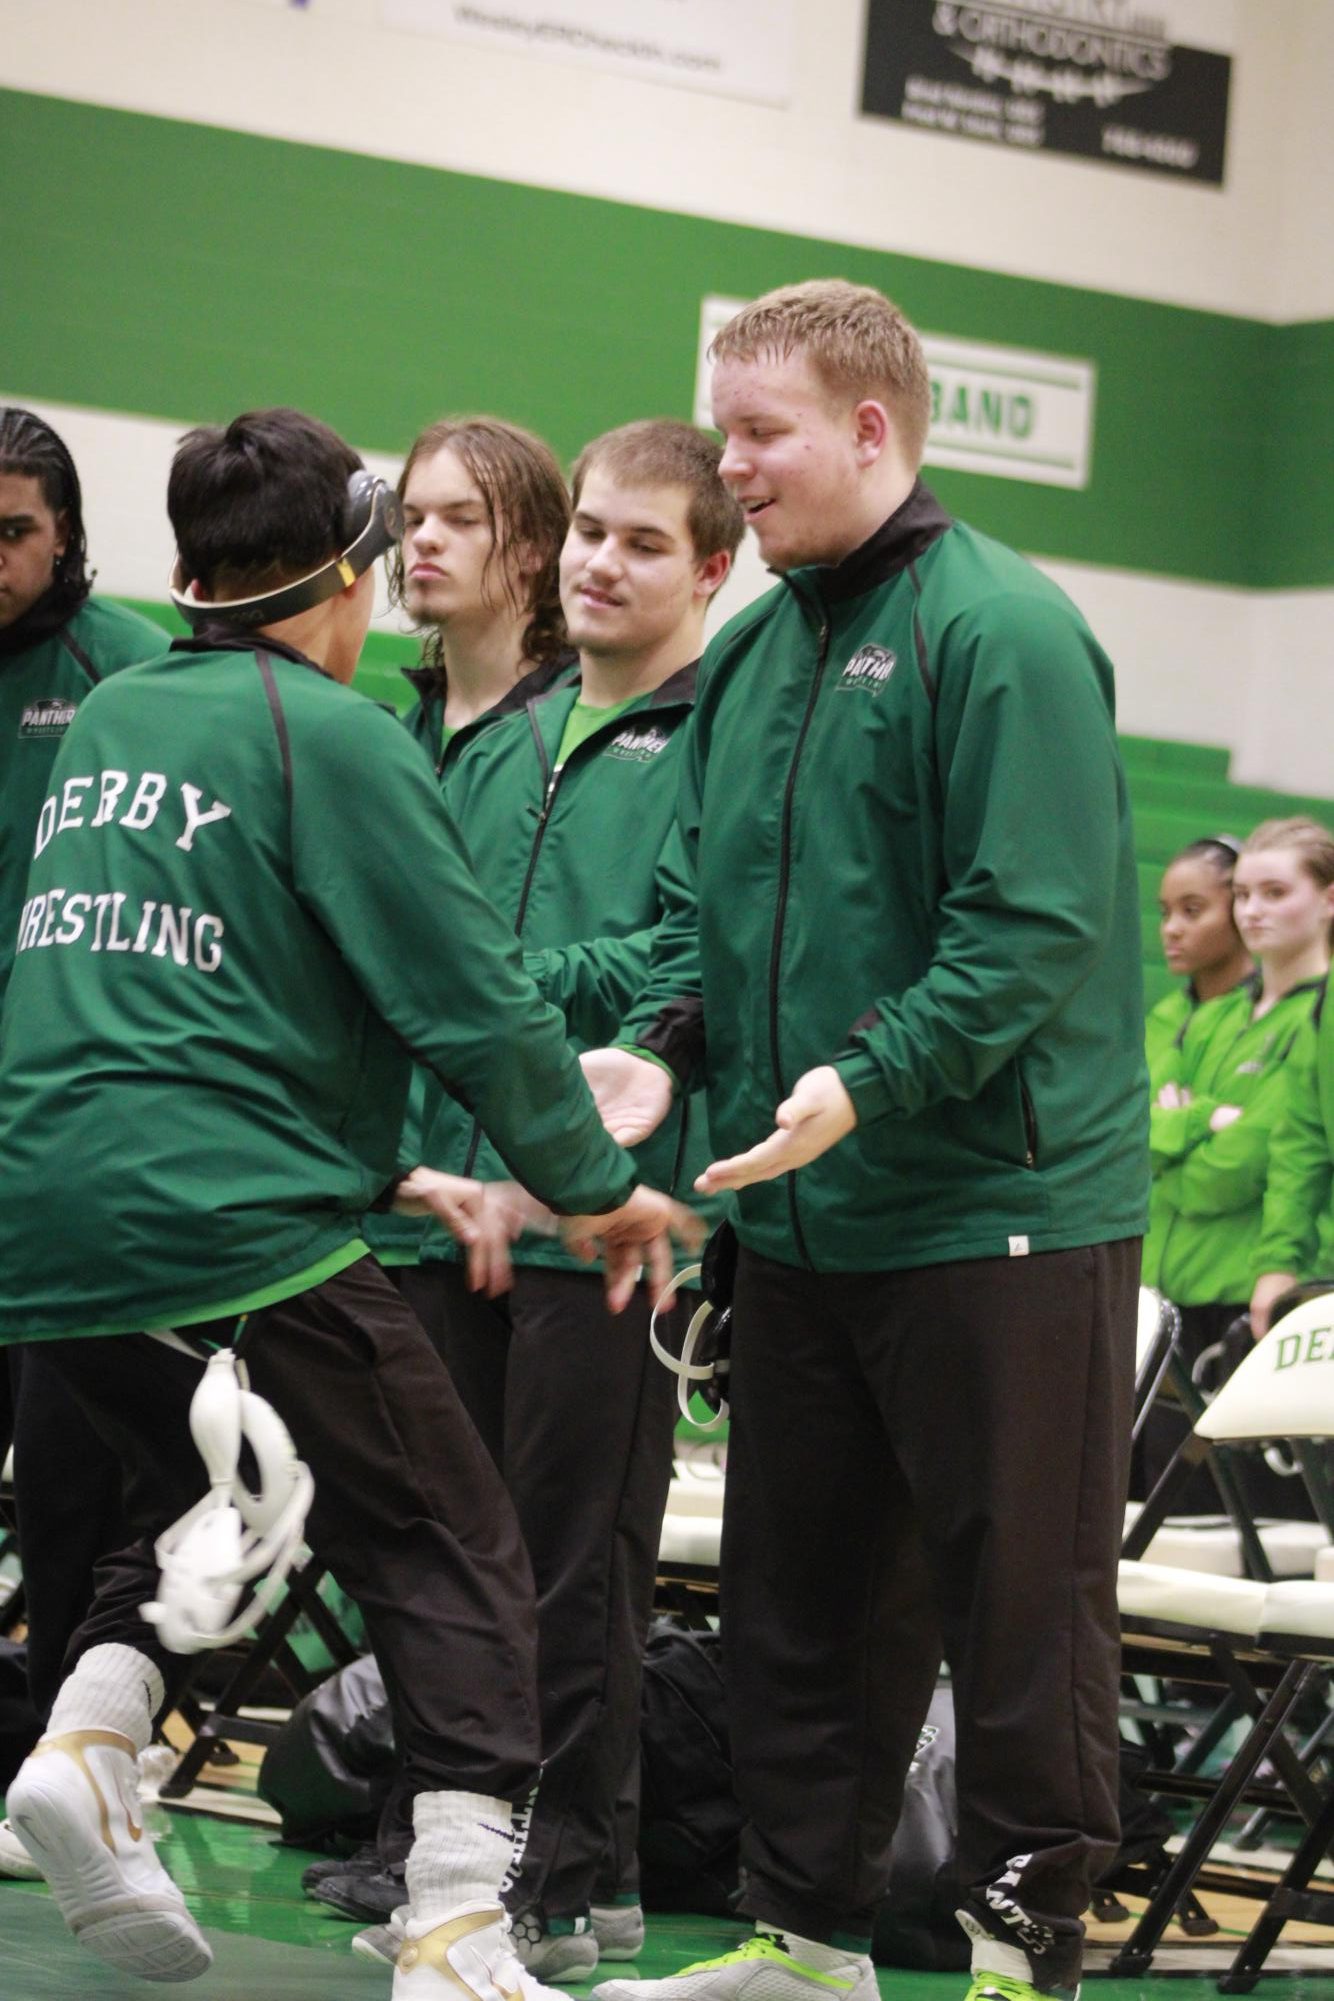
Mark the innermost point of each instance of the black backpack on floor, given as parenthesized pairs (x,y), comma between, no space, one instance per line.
(689,1823)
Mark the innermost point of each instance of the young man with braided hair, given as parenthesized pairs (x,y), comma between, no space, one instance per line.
(57,642)
(916,932)
(222,967)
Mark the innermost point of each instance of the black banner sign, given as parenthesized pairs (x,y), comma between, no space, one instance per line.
(1103,79)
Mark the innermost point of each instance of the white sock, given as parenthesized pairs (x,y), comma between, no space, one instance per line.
(112,1687)
(462,1849)
(813,1952)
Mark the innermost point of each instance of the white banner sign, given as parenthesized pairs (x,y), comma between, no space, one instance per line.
(736,48)
(999,410)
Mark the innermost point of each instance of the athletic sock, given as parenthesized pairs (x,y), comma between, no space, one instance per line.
(462,1849)
(113,1687)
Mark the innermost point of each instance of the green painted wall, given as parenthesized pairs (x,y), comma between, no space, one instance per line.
(183,271)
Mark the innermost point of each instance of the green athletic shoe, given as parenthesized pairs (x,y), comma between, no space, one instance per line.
(1004,1987)
(762,1970)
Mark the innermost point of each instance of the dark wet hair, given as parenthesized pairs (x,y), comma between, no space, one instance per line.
(260,501)
(29,447)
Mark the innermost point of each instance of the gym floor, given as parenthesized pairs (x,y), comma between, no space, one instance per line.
(273,1944)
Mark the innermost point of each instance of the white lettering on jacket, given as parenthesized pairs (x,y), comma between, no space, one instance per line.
(182,937)
(64,810)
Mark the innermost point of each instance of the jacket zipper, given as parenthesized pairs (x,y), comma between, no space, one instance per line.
(553,779)
(780,914)
(1030,1126)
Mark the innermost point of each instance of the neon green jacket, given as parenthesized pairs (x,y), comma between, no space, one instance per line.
(1297,1233)
(1208,1188)
(1164,1025)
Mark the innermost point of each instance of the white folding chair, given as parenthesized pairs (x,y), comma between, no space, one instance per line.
(1266,1643)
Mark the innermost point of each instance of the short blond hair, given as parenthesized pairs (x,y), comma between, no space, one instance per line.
(858,342)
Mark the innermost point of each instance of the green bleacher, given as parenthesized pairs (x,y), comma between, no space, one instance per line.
(1178,793)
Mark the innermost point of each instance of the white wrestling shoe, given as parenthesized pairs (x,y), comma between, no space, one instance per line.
(15,1860)
(75,1804)
(472,1950)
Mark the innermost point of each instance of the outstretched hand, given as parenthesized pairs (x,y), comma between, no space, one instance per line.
(633,1096)
(484,1217)
(818,1115)
(634,1241)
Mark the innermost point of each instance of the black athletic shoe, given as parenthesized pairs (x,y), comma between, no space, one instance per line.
(372,1895)
(366,1857)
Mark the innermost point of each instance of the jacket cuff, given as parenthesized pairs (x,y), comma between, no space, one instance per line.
(864,1082)
(675,1036)
(384,1201)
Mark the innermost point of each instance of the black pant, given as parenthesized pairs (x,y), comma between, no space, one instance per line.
(409,1514)
(580,1419)
(67,1494)
(927,1463)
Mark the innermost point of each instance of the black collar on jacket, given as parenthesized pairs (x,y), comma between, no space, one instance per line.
(221,638)
(908,534)
(429,683)
(49,615)
(677,688)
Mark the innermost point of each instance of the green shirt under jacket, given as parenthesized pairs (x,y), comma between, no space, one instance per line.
(1209,1187)
(248,911)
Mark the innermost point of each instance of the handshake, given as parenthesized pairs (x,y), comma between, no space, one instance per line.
(633,1097)
(486,1217)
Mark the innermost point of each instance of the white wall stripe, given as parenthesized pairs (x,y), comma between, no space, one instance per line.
(1198,662)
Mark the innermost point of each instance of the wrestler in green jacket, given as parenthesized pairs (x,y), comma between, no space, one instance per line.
(249,911)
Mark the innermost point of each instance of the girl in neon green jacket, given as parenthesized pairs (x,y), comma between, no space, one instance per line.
(1211,1121)
(1200,940)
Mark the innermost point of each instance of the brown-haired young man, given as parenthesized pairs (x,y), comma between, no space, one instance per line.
(915,930)
(569,813)
(485,510)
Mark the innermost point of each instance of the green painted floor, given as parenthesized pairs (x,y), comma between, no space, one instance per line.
(272,1944)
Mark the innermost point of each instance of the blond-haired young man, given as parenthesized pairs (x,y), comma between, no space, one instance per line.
(916,932)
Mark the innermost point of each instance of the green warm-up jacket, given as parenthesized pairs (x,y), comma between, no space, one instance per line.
(249,910)
(1297,1233)
(1209,1187)
(584,861)
(47,666)
(905,810)
(397,1239)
